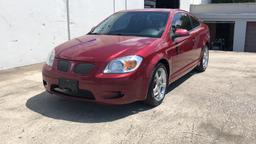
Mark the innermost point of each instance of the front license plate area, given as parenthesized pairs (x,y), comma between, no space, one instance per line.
(70,85)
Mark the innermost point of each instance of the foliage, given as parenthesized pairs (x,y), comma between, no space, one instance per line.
(232,1)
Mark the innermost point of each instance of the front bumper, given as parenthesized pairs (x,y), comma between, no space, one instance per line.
(98,87)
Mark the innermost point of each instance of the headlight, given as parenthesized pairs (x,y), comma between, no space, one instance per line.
(124,64)
(50,58)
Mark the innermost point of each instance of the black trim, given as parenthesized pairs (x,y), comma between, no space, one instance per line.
(83,94)
(63,65)
(83,68)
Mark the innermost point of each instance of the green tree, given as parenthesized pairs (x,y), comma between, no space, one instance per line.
(232,1)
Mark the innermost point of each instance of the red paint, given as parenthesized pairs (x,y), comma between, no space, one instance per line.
(181,32)
(182,55)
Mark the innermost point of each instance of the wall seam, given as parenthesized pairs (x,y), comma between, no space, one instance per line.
(239,35)
(114,5)
(68,19)
(125,4)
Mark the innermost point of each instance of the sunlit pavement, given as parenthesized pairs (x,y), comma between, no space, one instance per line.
(217,106)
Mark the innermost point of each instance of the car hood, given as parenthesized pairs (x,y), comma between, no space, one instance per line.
(101,47)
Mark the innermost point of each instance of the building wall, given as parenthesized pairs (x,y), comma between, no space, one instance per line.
(240,13)
(228,8)
(31,28)
(185,4)
(85,14)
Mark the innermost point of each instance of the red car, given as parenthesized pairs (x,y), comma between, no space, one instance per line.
(130,56)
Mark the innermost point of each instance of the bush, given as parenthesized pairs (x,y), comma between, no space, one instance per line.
(232,1)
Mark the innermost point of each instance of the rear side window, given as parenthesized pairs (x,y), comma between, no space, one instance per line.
(181,21)
(195,22)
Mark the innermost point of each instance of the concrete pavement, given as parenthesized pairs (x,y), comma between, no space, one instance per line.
(217,106)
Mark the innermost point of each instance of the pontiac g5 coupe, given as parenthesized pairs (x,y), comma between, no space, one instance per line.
(130,56)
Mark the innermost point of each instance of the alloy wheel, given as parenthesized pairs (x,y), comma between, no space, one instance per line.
(160,80)
(205,57)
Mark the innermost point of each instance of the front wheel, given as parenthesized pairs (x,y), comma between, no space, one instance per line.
(204,60)
(158,84)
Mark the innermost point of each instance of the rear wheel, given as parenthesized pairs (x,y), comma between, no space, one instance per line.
(204,60)
(158,84)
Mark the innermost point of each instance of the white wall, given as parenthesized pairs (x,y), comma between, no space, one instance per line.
(185,4)
(85,14)
(29,29)
(135,4)
(120,5)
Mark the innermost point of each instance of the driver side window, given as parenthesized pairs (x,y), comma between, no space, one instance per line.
(180,21)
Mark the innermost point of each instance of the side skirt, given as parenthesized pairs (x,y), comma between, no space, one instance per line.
(184,71)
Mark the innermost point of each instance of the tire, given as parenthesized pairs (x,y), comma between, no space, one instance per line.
(204,60)
(157,86)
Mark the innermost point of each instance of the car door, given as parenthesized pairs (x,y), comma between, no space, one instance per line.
(183,45)
(196,35)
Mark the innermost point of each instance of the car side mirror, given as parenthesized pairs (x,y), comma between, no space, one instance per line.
(181,33)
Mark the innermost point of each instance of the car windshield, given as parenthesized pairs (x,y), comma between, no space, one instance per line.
(145,24)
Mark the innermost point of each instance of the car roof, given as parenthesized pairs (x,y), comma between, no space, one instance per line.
(153,10)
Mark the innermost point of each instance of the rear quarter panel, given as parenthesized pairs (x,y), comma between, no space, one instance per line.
(203,38)
(205,35)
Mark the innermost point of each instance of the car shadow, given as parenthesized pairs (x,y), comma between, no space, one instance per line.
(85,112)
(180,81)
(80,111)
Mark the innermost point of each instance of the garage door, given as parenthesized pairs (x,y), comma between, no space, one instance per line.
(250,42)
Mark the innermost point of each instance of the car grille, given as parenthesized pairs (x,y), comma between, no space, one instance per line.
(83,68)
(63,65)
(83,94)
(79,68)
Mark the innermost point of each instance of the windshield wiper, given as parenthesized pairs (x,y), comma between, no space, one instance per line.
(121,34)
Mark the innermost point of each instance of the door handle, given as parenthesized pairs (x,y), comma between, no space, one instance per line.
(178,50)
(194,42)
